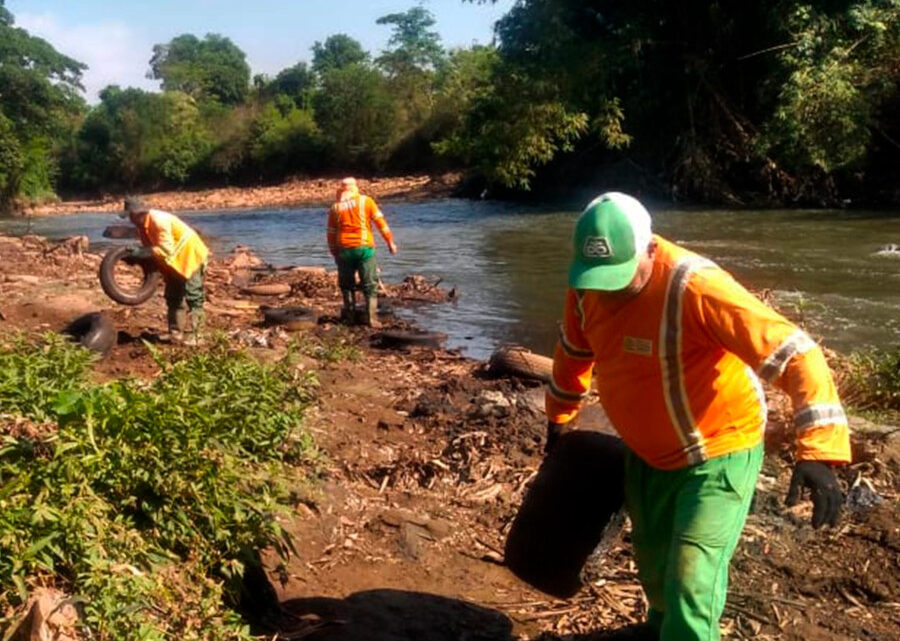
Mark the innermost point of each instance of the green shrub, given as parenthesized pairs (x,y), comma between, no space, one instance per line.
(871,380)
(145,499)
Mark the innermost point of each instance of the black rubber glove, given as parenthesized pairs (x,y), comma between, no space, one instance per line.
(553,432)
(826,493)
(137,254)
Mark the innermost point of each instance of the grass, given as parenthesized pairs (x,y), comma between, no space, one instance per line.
(146,500)
(335,348)
(870,380)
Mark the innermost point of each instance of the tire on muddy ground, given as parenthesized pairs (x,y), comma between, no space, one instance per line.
(111,288)
(398,339)
(570,515)
(95,331)
(518,361)
(287,315)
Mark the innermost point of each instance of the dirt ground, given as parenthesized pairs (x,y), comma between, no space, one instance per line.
(294,192)
(425,459)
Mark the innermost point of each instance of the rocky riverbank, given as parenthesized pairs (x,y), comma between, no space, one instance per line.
(425,458)
(295,192)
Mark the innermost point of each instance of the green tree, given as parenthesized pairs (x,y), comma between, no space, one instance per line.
(722,101)
(284,138)
(296,82)
(842,68)
(466,78)
(117,137)
(38,99)
(512,130)
(357,115)
(212,68)
(338,51)
(412,45)
(183,143)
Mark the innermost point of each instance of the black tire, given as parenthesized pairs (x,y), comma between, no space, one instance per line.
(394,339)
(284,315)
(576,497)
(95,331)
(517,361)
(152,276)
(120,231)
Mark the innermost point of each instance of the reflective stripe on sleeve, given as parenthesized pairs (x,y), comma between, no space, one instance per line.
(571,350)
(566,397)
(670,342)
(818,415)
(797,343)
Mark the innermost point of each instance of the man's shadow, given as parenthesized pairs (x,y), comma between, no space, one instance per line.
(563,517)
(391,615)
(398,615)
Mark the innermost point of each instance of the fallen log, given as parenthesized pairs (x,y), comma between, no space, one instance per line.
(518,361)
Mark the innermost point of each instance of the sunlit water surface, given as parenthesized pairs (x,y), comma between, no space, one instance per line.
(508,261)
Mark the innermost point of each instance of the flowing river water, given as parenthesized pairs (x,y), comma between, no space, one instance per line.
(826,269)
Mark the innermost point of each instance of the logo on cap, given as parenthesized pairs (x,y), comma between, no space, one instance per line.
(596,247)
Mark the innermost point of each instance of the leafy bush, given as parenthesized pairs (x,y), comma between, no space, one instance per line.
(870,380)
(146,499)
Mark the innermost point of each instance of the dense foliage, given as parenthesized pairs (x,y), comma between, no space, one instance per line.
(38,102)
(771,102)
(147,500)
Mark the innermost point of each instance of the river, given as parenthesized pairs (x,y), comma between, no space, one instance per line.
(509,261)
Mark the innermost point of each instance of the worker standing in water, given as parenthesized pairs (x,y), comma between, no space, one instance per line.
(677,349)
(182,257)
(352,243)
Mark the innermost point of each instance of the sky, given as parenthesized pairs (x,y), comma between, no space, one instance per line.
(115,38)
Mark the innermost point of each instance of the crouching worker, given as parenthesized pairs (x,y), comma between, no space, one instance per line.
(182,257)
(677,348)
(352,244)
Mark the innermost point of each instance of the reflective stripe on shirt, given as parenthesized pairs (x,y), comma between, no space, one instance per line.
(760,398)
(363,224)
(670,344)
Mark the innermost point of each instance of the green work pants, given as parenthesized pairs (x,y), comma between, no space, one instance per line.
(180,290)
(359,260)
(685,526)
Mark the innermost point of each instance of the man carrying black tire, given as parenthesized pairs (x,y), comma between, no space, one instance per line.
(182,257)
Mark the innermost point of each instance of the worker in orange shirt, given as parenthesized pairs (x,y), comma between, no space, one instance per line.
(677,349)
(352,243)
(182,258)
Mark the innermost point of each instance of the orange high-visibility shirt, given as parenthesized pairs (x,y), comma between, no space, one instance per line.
(173,242)
(350,223)
(677,367)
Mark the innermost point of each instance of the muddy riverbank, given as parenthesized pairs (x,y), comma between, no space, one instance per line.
(425,458)
(295,192)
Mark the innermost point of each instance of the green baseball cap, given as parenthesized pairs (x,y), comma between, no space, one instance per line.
(610,236)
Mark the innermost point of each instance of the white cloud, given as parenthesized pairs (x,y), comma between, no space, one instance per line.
(114,53)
